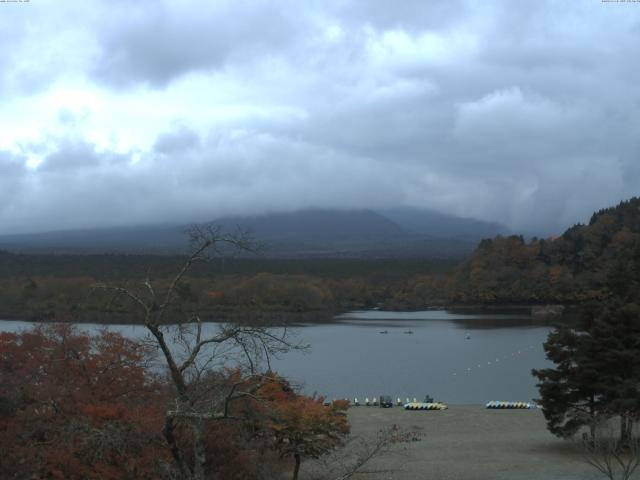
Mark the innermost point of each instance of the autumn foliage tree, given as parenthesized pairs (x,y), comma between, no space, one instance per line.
(80,406)
(75,406)
(302,426)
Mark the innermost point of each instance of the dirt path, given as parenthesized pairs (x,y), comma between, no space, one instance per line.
(472,443)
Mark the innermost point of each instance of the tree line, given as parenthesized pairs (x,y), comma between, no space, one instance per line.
(51,288)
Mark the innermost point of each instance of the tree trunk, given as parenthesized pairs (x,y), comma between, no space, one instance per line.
(592,423)
(296,468)
(625,429)
(199,449)
(176,374)
(169,427)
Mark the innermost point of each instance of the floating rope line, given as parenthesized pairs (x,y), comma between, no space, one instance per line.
(520,351)
(415,405)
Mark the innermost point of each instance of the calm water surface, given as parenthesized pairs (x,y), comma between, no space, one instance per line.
(459,358)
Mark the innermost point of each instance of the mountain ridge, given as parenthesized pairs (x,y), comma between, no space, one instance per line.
(310,232)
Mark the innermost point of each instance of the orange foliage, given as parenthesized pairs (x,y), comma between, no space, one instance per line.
(75,406)
(303,426)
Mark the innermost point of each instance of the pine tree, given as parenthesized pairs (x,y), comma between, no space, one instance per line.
(617,330)
(597,372)
(571,393)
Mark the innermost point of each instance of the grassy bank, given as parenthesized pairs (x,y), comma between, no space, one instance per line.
(471,443)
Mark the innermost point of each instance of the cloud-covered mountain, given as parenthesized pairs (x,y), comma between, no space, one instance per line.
(304,233)
(436,224)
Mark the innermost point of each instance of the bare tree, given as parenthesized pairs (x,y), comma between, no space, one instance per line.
(354,459)
(604,450)
(191,350)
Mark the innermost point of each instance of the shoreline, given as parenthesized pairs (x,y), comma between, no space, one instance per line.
(275,318)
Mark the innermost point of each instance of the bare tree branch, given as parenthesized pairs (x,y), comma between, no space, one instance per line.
(190,354)
(607,453)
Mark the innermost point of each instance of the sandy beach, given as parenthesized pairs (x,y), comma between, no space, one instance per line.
(471,443)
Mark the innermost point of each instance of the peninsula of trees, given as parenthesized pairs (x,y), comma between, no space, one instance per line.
(568,269)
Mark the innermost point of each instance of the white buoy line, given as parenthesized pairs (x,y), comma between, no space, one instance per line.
(489,363)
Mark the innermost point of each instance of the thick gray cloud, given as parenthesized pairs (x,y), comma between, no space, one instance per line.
(526,113)
(154,42)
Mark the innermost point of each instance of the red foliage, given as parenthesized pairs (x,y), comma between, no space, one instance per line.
(302,426)
(77,406)
(230,455)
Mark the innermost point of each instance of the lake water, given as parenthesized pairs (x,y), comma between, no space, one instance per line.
(457,358)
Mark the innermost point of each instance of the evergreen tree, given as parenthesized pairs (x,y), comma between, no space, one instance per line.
(597,372)
(571,394)
(617,331)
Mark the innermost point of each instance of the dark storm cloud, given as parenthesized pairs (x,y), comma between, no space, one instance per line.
(157,42)
(520,112)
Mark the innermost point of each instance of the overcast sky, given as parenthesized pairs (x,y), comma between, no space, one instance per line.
(120,112)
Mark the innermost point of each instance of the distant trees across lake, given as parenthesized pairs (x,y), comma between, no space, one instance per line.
(53,287)
(568,269)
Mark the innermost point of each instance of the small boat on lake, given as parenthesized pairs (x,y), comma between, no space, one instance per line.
(409,332)
(384,331)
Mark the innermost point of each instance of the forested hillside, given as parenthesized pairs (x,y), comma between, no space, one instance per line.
(570,268)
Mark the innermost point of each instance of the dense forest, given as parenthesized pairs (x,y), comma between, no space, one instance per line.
(59,287)
(504,270)
(568,269)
